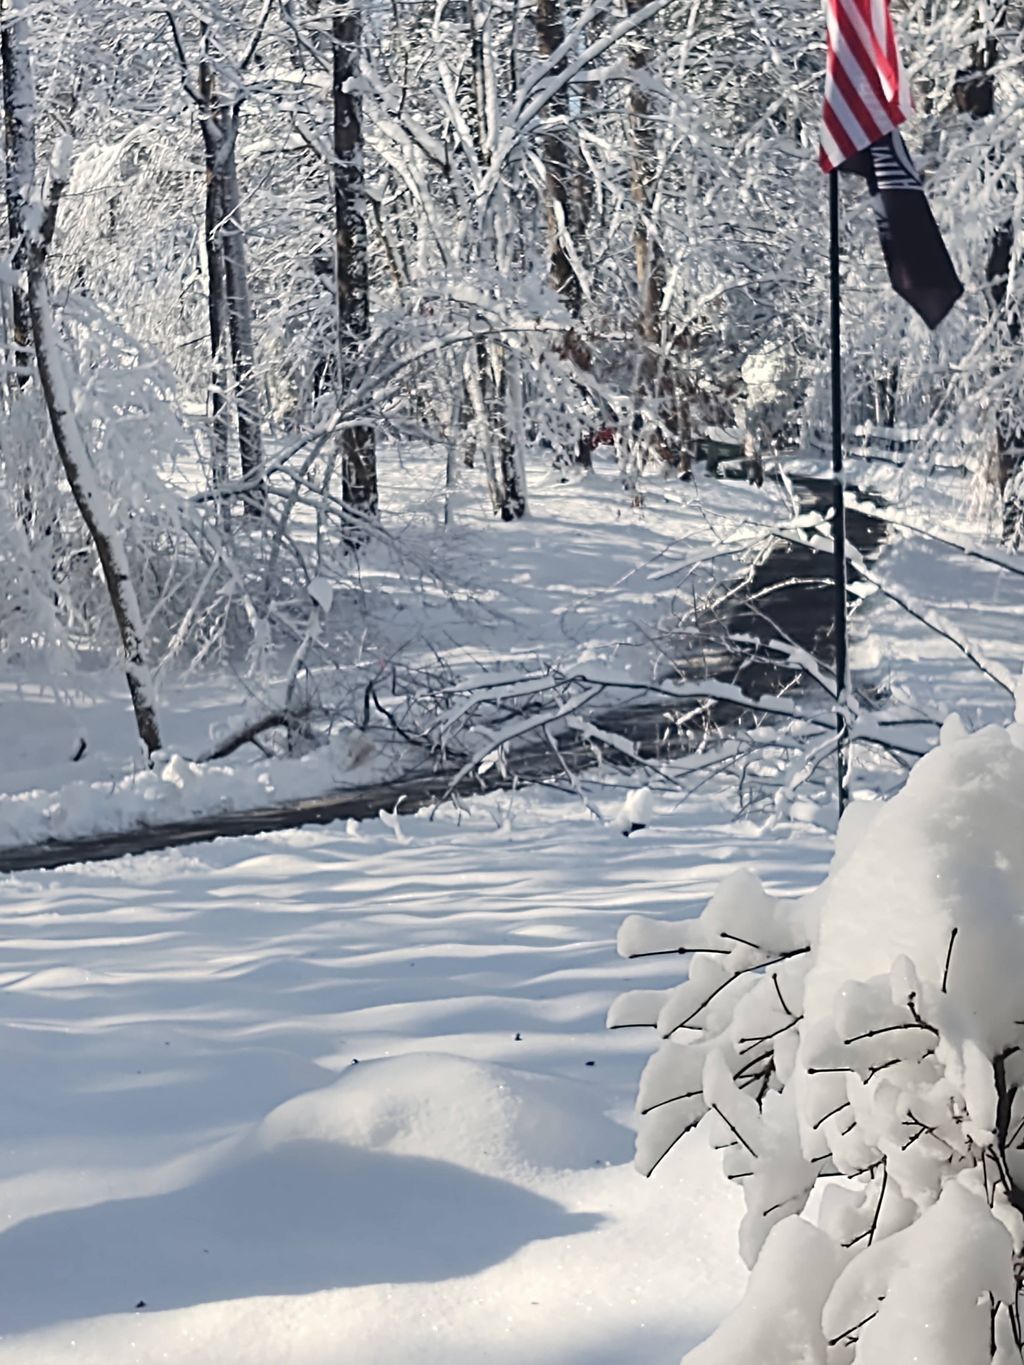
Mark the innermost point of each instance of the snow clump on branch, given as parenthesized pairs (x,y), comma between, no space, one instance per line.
(867,1036)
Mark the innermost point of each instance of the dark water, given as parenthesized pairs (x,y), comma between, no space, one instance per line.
(790,598)
(793,588)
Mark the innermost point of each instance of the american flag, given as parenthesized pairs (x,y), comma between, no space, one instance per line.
(866,90)
(866,99)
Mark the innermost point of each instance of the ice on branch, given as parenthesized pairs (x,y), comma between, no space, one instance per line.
(868,1035)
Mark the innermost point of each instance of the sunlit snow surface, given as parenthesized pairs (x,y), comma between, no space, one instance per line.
(184,1123)
(326,1098)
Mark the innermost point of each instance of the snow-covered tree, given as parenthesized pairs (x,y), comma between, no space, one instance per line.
(215,82)
(34,203)
(556,224)
(863,1043)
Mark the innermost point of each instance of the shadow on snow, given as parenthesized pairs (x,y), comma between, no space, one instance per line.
(303,1217)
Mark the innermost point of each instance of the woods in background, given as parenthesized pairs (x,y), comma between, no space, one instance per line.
(279,236)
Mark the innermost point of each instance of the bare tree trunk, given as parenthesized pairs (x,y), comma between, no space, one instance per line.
(229,304)
(560,202)
(217,308)
(974,93)
(513,437)
(584,199)
(1009,453)
(358,444)
(489,389)
(478,120)
(19,114)
(887,386)
(555,153)
(240,329)
(34,507)
(91,503)
(666,428)
(216,294)
(475,374)
(15,181)
(479,387)
(887,391)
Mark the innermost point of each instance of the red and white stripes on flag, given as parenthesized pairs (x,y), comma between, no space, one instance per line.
(866,90)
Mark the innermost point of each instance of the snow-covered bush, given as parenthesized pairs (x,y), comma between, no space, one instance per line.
(863,1043)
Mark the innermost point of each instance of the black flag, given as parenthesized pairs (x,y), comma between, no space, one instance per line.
(915,254)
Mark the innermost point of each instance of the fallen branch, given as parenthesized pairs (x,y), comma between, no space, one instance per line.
(247,735)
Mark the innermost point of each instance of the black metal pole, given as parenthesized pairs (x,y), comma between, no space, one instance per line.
(838,500)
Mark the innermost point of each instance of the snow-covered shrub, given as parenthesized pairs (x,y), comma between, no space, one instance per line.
(864,1039)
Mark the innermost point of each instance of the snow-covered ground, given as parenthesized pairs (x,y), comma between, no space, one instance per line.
(348,1096)
(585,581)
(948,604)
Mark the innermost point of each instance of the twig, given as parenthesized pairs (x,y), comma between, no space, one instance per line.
(677,952)
(678,1138)
(848,1334)
(831,1114)
(754,967)
(889,1028)
(949,958)
(249,732)
(767,1037)
(778,992)
(733,1129)
(690,1095)
(869,1233)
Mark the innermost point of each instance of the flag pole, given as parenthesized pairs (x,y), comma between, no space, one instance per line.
(838,501)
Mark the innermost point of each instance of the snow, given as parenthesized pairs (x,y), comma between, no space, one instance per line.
(508,1120)
(325,1091)
(176,788)
(866,1034)
(635,811)
(978,598)
(946,855)
(352,1085)
(780,1320)
(934,1279)
(346,1094)
(588,585)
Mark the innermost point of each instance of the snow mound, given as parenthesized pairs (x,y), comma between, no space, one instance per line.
(485,1118)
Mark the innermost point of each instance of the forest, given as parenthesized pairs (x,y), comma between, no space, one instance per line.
(495,703)
(265,258)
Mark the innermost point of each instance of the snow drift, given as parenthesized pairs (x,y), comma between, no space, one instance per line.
(486,1118)
(868,1036)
